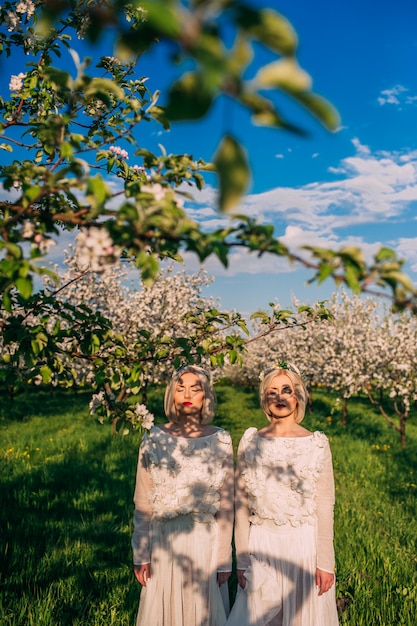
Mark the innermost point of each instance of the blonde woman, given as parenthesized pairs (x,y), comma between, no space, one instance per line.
(183,517)
(284,514)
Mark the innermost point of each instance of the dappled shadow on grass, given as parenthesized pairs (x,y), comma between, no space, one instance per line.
(363,422)
(33,402)
(403,463)
(65,528)
(66,514)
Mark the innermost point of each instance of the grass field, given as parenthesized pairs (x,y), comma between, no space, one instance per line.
(66,509)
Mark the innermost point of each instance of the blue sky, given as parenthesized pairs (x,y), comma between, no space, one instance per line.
(357,186)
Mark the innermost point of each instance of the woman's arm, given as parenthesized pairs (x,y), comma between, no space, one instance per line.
(141,519)
(225,520)
(325,499)
(241,517)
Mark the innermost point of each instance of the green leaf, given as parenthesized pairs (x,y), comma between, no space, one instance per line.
(353,254)
(24,287)
(324,272)
(239,57)
(233,172)
(97,191)
(31,192)
(189,98)
(269,27)
(65,150)
(320,108)
(101,87)
(284,74)
(162,17)
(46,374)
(352,279)
(384,253)
(232,356)
(393,278)
(59,77)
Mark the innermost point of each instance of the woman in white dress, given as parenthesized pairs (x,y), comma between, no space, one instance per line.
(183,519)
(284,514)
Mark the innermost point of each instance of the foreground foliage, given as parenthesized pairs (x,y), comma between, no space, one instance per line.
(66,489)
(68,124)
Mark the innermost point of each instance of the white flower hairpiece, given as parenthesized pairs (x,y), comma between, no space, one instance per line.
(197,368)
(280,365)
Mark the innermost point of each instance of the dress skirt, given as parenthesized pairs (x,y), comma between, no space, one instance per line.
(281,588)
(183,589)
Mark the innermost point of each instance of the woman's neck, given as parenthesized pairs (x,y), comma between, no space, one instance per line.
(188,428)
(284,428)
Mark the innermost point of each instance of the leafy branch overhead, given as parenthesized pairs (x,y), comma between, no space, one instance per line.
(68,128)
(73,161)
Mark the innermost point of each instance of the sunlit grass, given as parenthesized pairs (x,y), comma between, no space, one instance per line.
(66,508)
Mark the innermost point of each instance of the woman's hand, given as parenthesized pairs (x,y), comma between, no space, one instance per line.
(241,577)
(142,573)
(223,577)
(324,580)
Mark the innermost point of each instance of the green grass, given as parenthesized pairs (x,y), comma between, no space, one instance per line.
(66,508)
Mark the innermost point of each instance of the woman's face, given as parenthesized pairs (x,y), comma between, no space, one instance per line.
(189,395)
(281,399)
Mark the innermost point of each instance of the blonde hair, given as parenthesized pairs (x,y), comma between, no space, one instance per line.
(210,402)
(299,389)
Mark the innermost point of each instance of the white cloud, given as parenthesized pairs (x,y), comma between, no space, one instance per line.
(407,248)
(241,261)
(371,193)
(369,188)
(366,193)
(392,96)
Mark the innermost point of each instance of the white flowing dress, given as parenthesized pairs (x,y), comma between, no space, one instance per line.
(183,524)
(284,531)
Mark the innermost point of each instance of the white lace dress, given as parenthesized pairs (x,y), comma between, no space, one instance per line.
(284,531)
(183,525)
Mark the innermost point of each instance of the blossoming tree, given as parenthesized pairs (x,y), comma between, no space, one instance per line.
(362,349)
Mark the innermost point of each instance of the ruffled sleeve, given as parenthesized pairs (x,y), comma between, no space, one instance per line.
(325,499)
(241,504)
(142,513)
(225,513)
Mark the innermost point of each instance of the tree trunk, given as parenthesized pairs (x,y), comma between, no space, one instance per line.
(344,412)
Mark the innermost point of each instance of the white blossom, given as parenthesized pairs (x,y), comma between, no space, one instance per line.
(112,60)
(16,82)
(95,248)
(96,401)
(83,29)
(118,151)
(12,21)
(43,243)
(157,191)
(27,7)
(132,308)
(145,417)
(28,230)
(30,42)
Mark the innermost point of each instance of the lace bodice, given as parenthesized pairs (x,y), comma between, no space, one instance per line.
(285,482)
(281,475)
(181,476)
(186,474)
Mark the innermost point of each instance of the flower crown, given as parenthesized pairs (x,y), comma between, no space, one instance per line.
(192,366)
(280,365)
